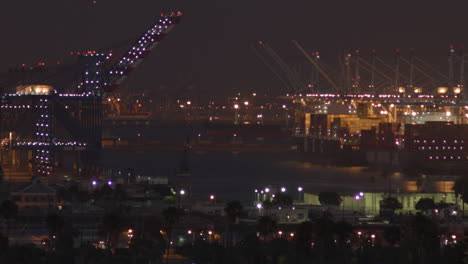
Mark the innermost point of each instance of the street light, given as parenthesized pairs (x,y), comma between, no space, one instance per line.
(373,239)
(280,233)
(283,189)
(267,190)
(259,207)
(130,235)
(299,189)
(236,114)
(181,192)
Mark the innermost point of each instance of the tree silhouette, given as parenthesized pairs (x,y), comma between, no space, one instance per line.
(266,226)
(389,205)
(233,211)
(112,226)
(281,200)
(54,224)
(391,234)
(425,204)
(419,238)
(171,216)
(330,198)
(324,230)
(8,211)
(461,188)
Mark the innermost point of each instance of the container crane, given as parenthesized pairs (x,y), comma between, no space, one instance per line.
(47,105)
(280,68)
(317,66)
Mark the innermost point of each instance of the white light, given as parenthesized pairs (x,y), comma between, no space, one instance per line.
(299,189)
(267,190)
(182,192)
(361,194)
(259,205)
(283,189)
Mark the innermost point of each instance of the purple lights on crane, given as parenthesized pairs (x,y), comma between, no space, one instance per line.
(98,75)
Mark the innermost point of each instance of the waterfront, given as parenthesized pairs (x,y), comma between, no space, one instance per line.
(234,176)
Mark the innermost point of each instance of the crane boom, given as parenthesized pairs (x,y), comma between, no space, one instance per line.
(272,69)
(118,72)
(322,72)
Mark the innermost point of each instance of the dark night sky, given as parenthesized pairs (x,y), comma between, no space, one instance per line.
(210,48)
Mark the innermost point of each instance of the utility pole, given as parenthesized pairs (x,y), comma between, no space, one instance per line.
(357,77)
(348,81)
(450,60)
(411,69)
(397,69)
(372,73)
(462,73)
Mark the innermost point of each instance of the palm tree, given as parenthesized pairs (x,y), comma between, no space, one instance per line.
(233,211)
(461,189)
(419,237)
(324,229)
(266,226)
(171,216)
(303,238)
(112,226)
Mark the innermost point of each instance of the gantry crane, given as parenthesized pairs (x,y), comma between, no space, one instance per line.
(80,113)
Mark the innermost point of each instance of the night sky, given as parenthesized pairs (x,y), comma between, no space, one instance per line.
(209,51)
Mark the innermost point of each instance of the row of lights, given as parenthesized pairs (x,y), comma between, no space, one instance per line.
(445,157)
(95,183)
(283,189)
(443,148)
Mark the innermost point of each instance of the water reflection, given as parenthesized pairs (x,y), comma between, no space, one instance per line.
(235,175)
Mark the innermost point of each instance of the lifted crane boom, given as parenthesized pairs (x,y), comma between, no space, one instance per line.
(140,49)
(322,72)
